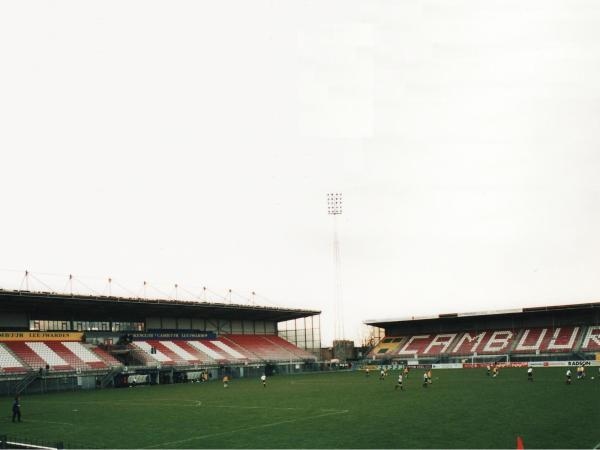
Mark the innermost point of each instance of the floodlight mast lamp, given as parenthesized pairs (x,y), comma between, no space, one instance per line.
(334,208)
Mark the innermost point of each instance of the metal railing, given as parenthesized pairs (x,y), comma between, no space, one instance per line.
(29,378)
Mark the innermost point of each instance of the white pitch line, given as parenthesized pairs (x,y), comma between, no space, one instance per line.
(205,436)
(597,446)
(51,422)
(129,403)
(254,407)
(31,445)
(186,403)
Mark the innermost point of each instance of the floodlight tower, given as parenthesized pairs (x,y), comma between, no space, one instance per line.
(334,208)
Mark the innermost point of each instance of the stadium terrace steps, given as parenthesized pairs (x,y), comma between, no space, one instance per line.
(90,359)
(50,357)
(297,351)
(9,362)
(426,344)
(190,352)
(173,356)
(39,358)
(231,352)
(143,357)
(262,347)
(181,354)
(68,356)
(547,340)
(564,338)
(222,350)
(527,340)
(518,335)
(207,349)
(203,358)
(250,356)
(225,349)
(484,342)
(156,357)
(580,338)
(387,346)
(195,352)
(74,355)
(591,339)
(57,355)
(104,355)
(491,342)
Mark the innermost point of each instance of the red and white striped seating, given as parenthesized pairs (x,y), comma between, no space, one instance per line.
(426,344)
(76,355)
(190,352)
(110,360)
(544,340)
(57,355)
(300,353)
(490,342)
(38,355)
(484,342)
(225,349)
(202,357)
(591,340)
(262,347)
(8,362)
(155,356)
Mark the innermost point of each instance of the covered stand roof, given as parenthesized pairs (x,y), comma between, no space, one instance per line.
(52,306)
(578,309)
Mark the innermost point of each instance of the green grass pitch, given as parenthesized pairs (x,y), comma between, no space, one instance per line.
(461,409)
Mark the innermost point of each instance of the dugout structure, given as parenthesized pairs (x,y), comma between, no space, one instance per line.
(552,333)
(52,341)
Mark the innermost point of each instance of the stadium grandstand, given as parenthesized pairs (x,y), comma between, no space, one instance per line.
(51,341)
(553,333)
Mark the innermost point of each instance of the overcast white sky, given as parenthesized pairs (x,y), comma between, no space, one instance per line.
(194,142)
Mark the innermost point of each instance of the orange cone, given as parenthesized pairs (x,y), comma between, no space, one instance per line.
(520,443)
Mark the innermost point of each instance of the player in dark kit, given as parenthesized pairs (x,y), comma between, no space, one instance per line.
(16,409)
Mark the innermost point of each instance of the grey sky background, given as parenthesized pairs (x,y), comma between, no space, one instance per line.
(194,142)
